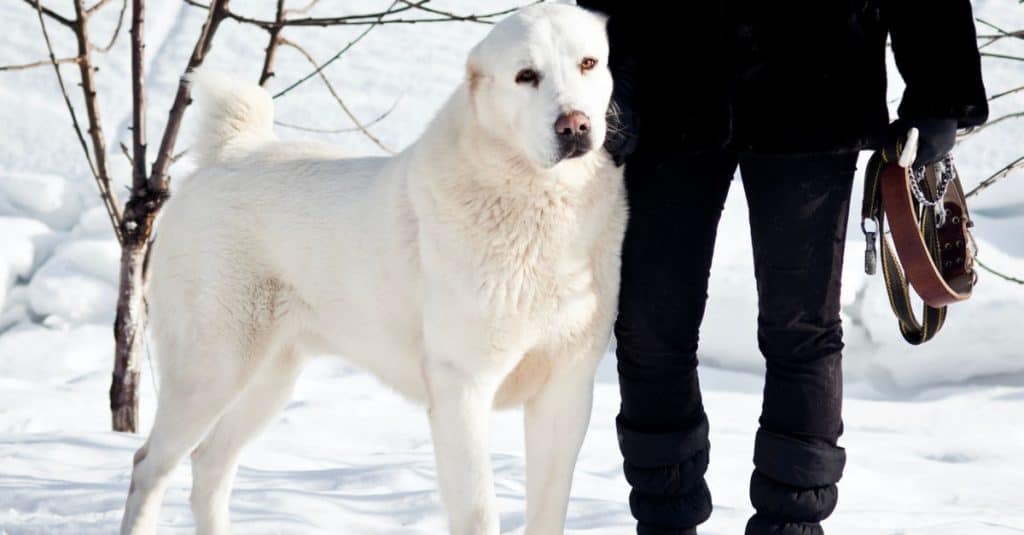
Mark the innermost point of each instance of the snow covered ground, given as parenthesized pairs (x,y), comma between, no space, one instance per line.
(934,434)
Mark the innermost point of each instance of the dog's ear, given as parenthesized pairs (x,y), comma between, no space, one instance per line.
(475,73)
(473,77)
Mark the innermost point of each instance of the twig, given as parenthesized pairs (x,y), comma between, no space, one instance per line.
(990,25)
(341,103)
(993,122)
(50,13)
(1003,276)
(361,19)
(993,39)
(302,10)
(158,179)
(275,39)
(320,68)
(378,119)
(1001,56)
(127,154)
(1007,92)
(368,19)
(468,18)
(63,88)
(1002,173)
(1002,33)
(96,6)
(117,29)
(40,63)
(1019,34)
(107,195)
(99,141)
(333,22)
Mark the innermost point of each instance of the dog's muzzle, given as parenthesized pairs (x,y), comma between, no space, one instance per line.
(573,133)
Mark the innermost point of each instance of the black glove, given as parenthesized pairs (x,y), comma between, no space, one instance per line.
(621,139)
(936,140)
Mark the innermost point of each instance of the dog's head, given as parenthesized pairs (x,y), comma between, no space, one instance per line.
(540,82)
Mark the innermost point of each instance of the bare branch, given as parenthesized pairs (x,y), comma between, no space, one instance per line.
(127,154)
(1002,173)
(50,13)
(482,18)
(158,179)
(341,103)
(367,19)
(102,182)
(334,58)
(1001,56)
(40,63)
(302,10)
(63,88)
(992,123)
(117,29)
(268,59)
(138,97)
(92,109)
(991,25)
(361,19)
(1002,32)
(1019,34)
(97,6)
(1007,92)
(998,274)
(378,119)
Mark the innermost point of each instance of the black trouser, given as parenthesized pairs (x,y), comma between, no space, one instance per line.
(798,208)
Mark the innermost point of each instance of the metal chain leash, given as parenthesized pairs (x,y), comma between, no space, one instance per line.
(946,174)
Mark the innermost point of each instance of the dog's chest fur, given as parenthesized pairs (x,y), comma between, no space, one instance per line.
(528,257)
(533,262)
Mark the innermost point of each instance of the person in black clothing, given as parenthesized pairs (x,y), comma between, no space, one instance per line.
(788,92)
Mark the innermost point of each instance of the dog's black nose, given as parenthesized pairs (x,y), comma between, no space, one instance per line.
(572,124)
(573,131)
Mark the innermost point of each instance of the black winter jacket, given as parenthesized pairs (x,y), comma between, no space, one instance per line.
(789,75)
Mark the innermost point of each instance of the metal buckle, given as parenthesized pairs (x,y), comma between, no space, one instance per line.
(870,240)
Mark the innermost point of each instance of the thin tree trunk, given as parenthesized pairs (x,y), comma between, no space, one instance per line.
(130,322)
(129,336)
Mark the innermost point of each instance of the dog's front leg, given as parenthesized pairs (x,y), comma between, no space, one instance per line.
(460,405)
(556,422)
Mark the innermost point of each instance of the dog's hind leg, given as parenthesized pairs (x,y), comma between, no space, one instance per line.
(556,420)
(191,399)
(215,460)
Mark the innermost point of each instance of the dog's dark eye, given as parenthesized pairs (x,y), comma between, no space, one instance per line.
(528,76)
(588,64)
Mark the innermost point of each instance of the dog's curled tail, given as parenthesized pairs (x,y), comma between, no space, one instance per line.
(234,117)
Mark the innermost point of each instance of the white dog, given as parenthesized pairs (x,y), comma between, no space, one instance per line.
(479,268)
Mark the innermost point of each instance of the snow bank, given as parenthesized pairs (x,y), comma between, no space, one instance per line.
(23,245)
(78,284)
(50,199)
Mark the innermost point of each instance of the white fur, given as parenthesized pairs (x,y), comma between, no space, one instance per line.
(471,271)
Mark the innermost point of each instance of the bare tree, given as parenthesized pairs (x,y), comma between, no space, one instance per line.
(1015,166)
(133,222)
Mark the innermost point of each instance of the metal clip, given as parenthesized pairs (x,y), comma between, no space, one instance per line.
(870,239)
(940,214)
(870,255)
